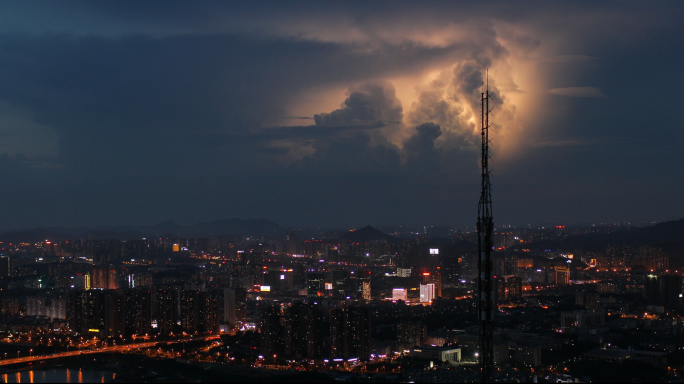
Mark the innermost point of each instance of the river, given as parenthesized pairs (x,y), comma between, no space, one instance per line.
(61,375)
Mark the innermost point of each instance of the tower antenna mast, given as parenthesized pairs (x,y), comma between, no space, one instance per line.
(485,227)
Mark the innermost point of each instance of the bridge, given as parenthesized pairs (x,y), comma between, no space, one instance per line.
(115,348)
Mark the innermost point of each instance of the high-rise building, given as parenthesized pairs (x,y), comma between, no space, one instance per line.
(468,267)
(528,354)
(292,244)
(87,312)
(501,353)
(365,284)
(35,306)
(303,333)
(193,309)
(653,259)
(313,248)
(404,272)
(638,279)
(270,330)
(562,276)
(511,264)
(9,306)
(665,290)
(57,309)
(499,266)
(112,277)
(115,313)
(582,319)
(411,333)
(166,304)
(81,281)
(435,278)
(214,312)
(229,316)
(350,332)
(105,277)
(427,293)
(234,308)
(280,279)
(139,279)
(508,287)
(591,300)
(298,276)
(240,307)
(315,284)
(100,278)
(5,267)
(333,255)
(339,283)
(138,317)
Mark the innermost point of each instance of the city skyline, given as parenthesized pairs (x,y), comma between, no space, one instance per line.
(384,191)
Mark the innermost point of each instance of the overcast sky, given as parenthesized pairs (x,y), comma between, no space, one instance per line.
(338,114)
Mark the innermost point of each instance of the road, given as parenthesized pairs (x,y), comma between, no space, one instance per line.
(117,348)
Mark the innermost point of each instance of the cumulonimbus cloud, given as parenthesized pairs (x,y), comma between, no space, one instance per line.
(371,102)
(577,92)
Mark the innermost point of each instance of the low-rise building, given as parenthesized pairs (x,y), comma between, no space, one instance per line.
(443,354)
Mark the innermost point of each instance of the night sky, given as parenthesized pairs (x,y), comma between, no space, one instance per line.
(339,114)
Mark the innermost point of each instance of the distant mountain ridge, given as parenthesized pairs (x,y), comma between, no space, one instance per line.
(234,226)
(669,235)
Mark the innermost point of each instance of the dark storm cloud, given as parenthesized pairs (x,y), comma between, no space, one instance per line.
(313,131)
(354,154)
(177,111)
(124,95)
(420,150)
(577,92)
(137,117)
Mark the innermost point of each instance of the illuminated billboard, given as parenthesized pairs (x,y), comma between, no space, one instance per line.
(434,251)
(265,288)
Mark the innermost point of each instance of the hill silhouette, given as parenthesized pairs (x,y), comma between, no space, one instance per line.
(367,234)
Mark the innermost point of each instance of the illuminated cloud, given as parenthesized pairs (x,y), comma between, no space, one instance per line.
(367,103)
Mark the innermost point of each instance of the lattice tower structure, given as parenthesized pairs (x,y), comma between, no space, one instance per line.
(485,227)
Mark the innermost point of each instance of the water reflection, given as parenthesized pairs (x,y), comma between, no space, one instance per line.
(59,376)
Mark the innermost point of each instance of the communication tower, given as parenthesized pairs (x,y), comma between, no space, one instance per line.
(485,227)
